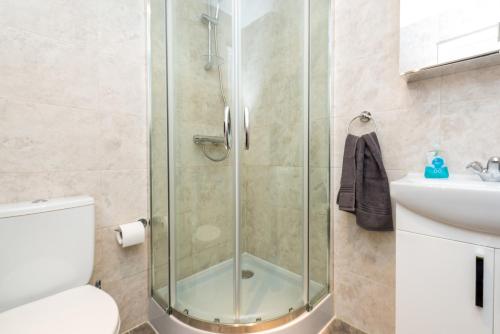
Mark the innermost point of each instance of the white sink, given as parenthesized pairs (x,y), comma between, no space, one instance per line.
(462,200)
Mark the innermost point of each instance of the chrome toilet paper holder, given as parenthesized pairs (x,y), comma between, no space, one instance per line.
(144,222)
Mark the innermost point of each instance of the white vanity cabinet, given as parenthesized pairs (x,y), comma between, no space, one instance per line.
(447,255)
(496,307)
(443,286)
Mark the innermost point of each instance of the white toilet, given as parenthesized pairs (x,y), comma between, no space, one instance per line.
(46,260)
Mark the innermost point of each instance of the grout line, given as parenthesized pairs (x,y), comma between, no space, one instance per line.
(383,284)
(62,171)
(130,331)
(140,272)
(150,325)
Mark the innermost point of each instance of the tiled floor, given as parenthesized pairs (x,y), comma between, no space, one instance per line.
(339,327)
(145,328)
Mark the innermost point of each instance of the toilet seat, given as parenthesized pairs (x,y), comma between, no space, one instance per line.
(80,310)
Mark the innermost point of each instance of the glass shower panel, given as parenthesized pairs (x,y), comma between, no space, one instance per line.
(158,152)
(239,208)
(273,101)
(319,148)
(201,168)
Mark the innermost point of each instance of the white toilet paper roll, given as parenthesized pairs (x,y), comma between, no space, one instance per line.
(130,234)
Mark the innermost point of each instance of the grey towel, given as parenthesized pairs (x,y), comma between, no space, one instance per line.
(346,197)
(373,200)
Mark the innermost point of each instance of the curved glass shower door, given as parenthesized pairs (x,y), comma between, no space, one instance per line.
(273,164)
(201,161)
(239,144)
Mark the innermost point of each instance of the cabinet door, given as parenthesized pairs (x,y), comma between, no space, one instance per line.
(438,286)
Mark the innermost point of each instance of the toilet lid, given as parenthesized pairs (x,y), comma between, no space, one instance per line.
(80,310)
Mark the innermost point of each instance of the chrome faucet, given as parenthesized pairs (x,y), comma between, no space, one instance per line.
(489,174)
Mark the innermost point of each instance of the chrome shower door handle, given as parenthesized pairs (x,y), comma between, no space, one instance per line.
(227,128)
(246,124)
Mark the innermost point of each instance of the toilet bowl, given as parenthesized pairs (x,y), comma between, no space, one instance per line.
(46,256)
(81,310)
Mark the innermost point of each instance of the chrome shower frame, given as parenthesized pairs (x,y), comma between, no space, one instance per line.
(309,305)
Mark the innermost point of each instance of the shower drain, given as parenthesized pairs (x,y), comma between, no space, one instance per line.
(246,274)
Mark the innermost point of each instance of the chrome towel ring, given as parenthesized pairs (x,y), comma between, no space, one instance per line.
(364,117)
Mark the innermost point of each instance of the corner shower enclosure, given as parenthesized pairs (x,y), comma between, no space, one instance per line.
(239,159)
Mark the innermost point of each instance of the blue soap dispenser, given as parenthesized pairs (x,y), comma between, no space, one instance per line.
(436,166)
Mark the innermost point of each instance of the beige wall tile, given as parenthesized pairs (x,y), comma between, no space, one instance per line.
(469,132)
(483,83)
(76,20)
(73,110)
(357,82)
(114,263)
(29,186)
(130,294)
(367,254)
(122,27)
(123,141)
(40,69)
(43,137)
(123,197)
(19,187)
(116,91)
(420,127)
(364,303)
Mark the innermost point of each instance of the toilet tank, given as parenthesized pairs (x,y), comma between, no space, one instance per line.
(45,247)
